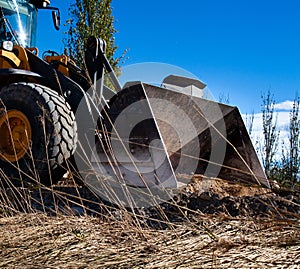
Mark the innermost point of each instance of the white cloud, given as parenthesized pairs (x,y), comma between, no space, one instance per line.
(283,119)
(286,105)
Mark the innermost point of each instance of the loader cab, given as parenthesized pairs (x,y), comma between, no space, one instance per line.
(18,22)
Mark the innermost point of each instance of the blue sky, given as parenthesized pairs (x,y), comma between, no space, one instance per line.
(238,48)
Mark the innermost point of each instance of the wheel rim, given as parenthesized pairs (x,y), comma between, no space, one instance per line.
(15,135)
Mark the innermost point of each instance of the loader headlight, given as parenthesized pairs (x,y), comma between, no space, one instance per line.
(7,45)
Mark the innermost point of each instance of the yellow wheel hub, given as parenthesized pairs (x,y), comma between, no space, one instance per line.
(15,135)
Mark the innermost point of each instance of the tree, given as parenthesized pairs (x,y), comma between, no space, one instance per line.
(224,99)
(294,138)
(249,118)
(90,18)
(269,145)
(291,155)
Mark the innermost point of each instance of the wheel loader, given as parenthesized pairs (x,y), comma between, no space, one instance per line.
(128,144)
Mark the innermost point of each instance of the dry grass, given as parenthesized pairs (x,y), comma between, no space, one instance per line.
(38,241)
(51,234)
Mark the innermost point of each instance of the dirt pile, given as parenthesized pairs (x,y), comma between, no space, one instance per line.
(202,196)
(215,196)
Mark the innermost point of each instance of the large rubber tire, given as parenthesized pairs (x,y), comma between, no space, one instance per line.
(53,128)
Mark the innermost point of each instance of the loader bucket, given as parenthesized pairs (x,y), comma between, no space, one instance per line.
(214,140)
(155,139)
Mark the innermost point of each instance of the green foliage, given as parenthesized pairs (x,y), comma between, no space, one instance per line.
(90,18)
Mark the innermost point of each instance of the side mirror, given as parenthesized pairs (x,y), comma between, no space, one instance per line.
(55,14)
(56,19)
